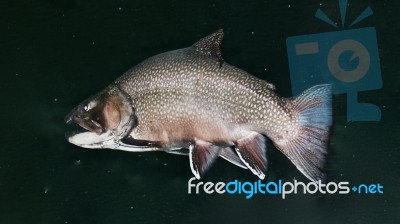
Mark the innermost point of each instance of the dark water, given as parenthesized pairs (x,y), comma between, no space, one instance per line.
(55,53)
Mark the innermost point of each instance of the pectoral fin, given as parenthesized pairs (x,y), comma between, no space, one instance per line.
(202,155)
(128,140)
(252,151)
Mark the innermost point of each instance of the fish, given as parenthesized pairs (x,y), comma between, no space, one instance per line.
(191,102)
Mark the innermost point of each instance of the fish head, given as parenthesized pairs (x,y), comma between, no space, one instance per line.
(104,118)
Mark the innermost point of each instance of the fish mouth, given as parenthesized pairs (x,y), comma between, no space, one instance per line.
(85,123)
(90,134)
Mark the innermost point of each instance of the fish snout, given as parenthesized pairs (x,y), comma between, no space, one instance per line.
(68,118)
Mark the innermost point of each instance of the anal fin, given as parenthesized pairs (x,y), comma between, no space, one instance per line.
(202,155)
(252,151)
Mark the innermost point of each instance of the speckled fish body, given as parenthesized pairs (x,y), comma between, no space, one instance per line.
(191,99)
(183,95)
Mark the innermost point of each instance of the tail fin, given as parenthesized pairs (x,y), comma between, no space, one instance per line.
(308,149)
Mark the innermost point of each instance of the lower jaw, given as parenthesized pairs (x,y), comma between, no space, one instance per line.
(69,134)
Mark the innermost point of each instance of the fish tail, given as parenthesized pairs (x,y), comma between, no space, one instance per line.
(308,147)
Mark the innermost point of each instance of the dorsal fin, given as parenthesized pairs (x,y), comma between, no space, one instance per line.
(210,45)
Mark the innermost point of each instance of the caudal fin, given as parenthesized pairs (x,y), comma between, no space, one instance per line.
(308,148)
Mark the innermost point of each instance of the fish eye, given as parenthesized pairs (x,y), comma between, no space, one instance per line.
(88,106)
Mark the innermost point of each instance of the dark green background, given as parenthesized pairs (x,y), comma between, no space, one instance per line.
(55,53)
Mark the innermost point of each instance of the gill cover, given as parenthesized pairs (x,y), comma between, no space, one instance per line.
(110,111)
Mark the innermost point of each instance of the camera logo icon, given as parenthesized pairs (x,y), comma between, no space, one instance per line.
(359,52)
(349,59)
